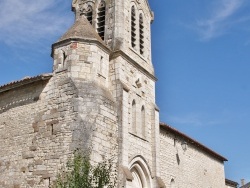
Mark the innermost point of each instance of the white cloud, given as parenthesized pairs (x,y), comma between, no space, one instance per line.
(195,119)
(25,21)
(190,119)
(219,20)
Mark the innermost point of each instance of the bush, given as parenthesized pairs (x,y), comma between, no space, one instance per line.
(80,173)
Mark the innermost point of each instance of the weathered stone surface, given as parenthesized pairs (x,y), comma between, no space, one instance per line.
(31,183)
(38,162)
(28,155)
(199,168)
(16,186)
(40,172)
(33,148)
(35,127)
(23,169)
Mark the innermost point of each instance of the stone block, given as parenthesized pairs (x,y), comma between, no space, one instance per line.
(31,182)
(41,167)
(52,122)
(27,155)
(40,172)
(35,127)
(23,169)
(16,186)
(31,167)
(33,148)
(46,176)
(38,162)
(56,129)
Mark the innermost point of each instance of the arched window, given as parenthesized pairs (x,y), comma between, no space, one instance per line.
(143,126)
(89,14)
(64,58)
(101,16)
(134,116)
(61,59)
(141,36)
(102,66)
(133,27)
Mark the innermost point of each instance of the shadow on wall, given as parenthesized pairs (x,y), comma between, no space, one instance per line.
(21,95)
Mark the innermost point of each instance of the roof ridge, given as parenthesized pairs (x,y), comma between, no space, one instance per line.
(193,141)
(25,80)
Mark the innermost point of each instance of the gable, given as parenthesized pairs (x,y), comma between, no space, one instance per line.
(145,7)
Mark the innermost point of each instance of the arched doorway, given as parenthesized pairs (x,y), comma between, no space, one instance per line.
(140,173)
(137,182)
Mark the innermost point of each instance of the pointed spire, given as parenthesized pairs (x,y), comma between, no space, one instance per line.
(81,29)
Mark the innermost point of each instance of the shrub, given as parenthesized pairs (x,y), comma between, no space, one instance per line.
(80,173)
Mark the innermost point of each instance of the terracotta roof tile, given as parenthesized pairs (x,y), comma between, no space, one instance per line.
(192,141)
(24,81)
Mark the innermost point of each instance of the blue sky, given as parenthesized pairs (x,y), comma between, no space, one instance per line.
(201,54)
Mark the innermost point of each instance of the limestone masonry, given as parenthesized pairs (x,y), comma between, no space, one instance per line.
(101,95)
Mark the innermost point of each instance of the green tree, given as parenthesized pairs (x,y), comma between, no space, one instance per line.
(80,173)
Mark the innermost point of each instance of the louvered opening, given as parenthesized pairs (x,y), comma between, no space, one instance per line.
(141,36)
(101,15)
(89,14)
(133,27)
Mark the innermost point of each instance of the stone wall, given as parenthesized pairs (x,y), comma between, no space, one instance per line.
(37,138)
(84,61)
(122,32)
(192,168)
(137,137)
(21,96)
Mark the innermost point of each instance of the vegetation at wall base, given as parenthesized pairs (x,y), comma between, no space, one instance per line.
(80,173)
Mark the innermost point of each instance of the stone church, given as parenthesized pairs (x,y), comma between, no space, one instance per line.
(100,95)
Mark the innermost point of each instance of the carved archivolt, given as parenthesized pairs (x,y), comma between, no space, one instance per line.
(140,172)
(82,6)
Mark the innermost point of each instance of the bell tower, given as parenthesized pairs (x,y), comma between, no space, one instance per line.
(110,44)
(124,25)
(100,14)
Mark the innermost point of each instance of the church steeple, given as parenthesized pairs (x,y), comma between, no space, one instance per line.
(81,30)
(123,25)
(109,45)
(82,53)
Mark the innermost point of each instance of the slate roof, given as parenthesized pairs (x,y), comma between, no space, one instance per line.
(81,29)
(192,141)
(24,81)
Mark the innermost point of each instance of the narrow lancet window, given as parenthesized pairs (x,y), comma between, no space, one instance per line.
(143,126)
(89,14)
(133,27)
(141,30)
(134,116)
(101,16)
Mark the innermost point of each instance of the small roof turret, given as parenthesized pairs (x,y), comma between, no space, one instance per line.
(80,31)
